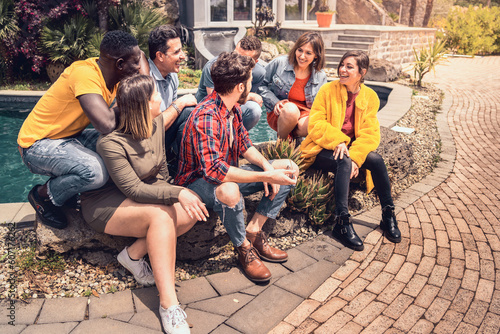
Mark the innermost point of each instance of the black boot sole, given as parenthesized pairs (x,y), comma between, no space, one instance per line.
(347,244)
(389,236)
(35,205)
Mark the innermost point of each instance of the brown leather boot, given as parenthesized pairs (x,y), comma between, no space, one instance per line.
(253,267)
(266,252)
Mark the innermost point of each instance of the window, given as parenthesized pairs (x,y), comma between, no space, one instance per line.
(242,10)
(293,10)
(218,10)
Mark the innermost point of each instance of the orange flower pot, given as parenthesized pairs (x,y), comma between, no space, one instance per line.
(324,19)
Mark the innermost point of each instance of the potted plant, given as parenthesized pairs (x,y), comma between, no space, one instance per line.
(324,15)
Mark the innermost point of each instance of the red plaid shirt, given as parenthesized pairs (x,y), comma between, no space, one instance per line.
(205,150)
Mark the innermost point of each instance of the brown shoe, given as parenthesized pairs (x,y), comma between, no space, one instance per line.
(266,252)
(253,267)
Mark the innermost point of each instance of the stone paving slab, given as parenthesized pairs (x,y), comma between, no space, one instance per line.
(224,329)
(107,326)
(8,211)
(318,249)
(148,319)
(229,282)
(107,305)
(59,328)
(63,310)
(194,290)
(25,214)
(203,322)
(22,313)
(297,260)
(224,305)
(305,281)
(265,311)
(146,299)
(9,329)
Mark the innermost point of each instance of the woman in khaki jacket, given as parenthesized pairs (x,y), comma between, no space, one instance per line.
(343,134)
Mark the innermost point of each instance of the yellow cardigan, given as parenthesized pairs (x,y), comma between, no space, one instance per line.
(327,117)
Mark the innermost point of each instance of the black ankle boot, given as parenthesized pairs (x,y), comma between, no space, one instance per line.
(344,232)
(389,224)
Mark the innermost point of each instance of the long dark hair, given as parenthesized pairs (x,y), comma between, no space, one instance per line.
(318,47)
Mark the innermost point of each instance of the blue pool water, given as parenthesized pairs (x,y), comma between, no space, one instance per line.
(15,178)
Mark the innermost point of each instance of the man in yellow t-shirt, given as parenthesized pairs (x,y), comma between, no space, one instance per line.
(54,141)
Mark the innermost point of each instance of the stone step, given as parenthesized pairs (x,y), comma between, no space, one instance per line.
(351,45)
(356,38)
(332,64)
(362,32)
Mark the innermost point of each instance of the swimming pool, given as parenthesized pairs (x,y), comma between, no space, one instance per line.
(16,180)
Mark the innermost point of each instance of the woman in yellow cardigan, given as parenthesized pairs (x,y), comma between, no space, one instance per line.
(343,134)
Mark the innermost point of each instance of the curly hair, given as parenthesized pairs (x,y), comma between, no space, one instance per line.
(229,70)
(251,43)
(118,44)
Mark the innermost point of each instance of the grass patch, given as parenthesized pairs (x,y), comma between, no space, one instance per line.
(30,260)
(32,86)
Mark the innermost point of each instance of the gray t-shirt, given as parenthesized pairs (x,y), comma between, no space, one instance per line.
(258,74)
(167,87)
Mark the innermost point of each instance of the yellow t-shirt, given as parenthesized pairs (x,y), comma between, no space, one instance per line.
(58,114)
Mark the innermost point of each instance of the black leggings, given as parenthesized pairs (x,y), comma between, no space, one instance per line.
(342,169)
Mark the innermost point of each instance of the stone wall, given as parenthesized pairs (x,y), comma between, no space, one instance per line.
(397,46)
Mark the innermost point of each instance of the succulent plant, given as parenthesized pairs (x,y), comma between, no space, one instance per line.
(318,214)
(299,198)
(284,149)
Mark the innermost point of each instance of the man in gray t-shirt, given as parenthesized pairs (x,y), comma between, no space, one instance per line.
(252,109)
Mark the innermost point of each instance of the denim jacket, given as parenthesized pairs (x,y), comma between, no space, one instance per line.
(280,78)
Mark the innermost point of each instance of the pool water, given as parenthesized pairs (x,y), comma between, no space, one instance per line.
(16,180)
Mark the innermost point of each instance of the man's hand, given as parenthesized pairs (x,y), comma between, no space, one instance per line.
(193,205)
(256,98)
(187,100)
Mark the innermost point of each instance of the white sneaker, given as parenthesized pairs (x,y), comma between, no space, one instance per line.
(140,269)
(174,320)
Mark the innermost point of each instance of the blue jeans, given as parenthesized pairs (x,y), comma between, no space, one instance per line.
(232,217)
(71,163)
(250,112)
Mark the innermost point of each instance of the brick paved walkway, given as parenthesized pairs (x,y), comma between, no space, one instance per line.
(444,277)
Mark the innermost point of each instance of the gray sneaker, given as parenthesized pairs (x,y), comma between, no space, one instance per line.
(140,269)
(174,320)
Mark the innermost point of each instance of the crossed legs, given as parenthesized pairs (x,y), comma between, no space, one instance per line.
(157,228)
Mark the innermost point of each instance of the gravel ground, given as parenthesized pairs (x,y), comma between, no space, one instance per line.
(80,273)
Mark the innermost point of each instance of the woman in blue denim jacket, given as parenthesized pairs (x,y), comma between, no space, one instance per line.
(291,84)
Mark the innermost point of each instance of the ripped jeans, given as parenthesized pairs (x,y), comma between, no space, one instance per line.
(72,164)
(233,218)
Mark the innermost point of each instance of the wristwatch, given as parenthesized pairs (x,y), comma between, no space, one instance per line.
(176,108)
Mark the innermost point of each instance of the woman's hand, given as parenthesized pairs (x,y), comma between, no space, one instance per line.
(340,150)
(193,205)
(279,106)
(354,170)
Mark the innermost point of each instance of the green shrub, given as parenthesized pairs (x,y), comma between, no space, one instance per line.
(426,60)
(474,30)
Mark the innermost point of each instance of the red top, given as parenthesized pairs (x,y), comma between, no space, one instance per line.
(297,93)
(348,126)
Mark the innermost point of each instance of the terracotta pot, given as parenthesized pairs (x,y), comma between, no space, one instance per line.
(324,19)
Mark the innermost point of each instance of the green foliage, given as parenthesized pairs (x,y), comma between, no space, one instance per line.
(324,8)
(282,47)
(473,30)
(263,16)
(30,260)
(131,16)
(394,17)
(314,196)
(283,149)
(76,39)
(8,20)
(426,60)
(189,78)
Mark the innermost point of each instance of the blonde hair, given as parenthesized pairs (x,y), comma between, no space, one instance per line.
(133,96)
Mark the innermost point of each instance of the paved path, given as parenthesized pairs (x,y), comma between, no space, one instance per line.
(443,277)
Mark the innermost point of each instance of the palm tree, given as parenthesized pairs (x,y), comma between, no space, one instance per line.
(8,20)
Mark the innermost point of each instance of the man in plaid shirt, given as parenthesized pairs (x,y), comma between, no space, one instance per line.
(213,140)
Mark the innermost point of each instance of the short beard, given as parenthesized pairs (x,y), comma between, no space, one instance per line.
(243,96)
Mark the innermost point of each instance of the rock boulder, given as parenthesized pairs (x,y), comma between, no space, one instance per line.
(382,70)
